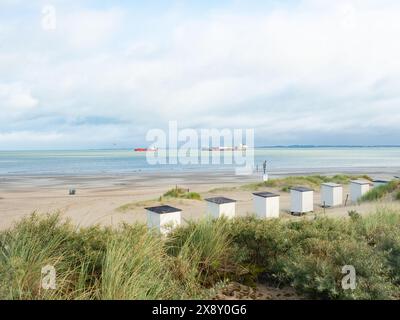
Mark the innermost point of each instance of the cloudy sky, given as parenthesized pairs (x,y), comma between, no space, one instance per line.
(102,75)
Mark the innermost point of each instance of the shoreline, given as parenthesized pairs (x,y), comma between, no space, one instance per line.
(146,178)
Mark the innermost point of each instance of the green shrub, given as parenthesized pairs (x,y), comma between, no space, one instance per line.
(181,193)
(353,214)
(132,263)
(382,231)
(309,255)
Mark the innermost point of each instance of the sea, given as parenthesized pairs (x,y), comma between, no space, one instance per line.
(125,161)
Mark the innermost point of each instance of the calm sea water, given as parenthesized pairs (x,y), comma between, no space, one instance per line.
(126,161)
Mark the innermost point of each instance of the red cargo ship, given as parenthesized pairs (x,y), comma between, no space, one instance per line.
(145,149)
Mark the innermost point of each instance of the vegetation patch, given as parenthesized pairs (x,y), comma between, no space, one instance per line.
(381,191)
(197,260)
(309,255)
(181,194)
(135,205)
(101,263)
(313,182)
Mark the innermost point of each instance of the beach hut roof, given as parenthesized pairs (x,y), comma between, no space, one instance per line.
(331,184)
(163,209)
(266,194)
(360,182)
(381,181)
(220,200)
(301,189)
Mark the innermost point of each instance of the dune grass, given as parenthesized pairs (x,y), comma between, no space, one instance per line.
(103,263)
(135,266)
(181,194)
(284,184)
(136,204)
(175,193)
(313,182)
(381,191)
(207,246)
(195,260)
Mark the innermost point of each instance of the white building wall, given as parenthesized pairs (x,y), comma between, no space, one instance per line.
(337,196)
(358,190)
(326,195)
(302,202)
(266,207)
(308,201)
(273,207)
(163,222)
(331,196)
(296,201)
(227,210)
(212,210)
(260,206)
(215,210)
(153,220)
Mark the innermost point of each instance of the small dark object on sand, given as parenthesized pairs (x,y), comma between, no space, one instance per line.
(72,192)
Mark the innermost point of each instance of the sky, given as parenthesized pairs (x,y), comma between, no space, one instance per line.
(100,74)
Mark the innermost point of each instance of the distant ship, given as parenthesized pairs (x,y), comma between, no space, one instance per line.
(146,149)
(242,147)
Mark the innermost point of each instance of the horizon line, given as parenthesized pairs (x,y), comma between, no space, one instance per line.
(256,147)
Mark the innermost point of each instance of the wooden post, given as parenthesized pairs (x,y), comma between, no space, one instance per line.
(347,198)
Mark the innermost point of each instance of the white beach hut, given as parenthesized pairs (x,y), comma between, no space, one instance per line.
(378,183)
(358,188)
(266,204)
(163,218)
(302,200)
(221,206)
(331,194)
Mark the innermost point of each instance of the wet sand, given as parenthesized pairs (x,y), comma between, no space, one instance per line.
(99,199)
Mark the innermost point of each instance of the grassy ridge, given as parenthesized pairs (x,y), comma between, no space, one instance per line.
(382,191)
(285,184)
(195,260)
(175,193)
(135,205)
(181,194)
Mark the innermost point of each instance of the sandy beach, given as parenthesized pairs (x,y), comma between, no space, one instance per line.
(110,200)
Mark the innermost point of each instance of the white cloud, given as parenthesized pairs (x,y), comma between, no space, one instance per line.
(316,69)
(89,28)
(16,97)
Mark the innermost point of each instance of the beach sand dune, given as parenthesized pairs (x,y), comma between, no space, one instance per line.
(113,200)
